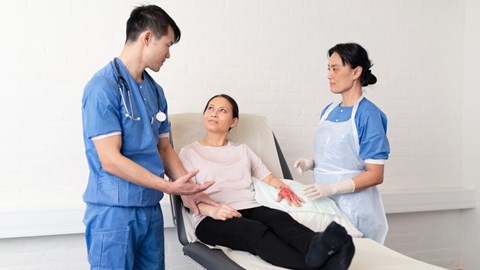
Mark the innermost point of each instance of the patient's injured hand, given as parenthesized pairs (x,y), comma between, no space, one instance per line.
(289,196)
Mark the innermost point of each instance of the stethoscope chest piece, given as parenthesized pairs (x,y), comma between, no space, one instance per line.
(161,116)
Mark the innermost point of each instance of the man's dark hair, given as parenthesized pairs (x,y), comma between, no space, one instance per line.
(153,18)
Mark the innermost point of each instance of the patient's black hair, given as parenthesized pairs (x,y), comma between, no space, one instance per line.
(230,100)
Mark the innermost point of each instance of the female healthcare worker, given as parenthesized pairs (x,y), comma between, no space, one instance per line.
(351,145)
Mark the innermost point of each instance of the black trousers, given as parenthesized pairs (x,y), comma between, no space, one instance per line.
(271,234)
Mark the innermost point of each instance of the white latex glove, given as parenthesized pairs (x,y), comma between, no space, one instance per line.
(303,164)
(316,191)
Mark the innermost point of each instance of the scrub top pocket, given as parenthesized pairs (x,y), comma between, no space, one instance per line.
(109,248)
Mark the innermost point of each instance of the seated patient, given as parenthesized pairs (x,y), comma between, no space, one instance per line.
(240,222)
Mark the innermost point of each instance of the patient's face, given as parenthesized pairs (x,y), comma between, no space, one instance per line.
(218,116)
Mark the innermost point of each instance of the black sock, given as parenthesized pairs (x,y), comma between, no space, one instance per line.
(341,260)
(323,245)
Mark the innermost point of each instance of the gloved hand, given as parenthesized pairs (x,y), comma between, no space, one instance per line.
(289,196)
(316,191)
(304,164)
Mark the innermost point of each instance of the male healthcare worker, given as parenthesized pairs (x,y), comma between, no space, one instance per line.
(351,144)
(125,130)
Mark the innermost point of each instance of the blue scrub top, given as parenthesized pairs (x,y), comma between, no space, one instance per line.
(103,112)
(371,125)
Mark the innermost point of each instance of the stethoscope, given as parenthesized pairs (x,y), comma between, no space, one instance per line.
(160,116)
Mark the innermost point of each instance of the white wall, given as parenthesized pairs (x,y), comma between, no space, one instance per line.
(270,56)
(471,129)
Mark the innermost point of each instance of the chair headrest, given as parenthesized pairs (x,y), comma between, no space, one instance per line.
(253,130)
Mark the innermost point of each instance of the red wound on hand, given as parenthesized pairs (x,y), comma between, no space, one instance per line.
(286,192)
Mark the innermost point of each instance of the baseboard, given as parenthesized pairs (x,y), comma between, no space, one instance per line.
(36,220)
(42,220)
(424,200)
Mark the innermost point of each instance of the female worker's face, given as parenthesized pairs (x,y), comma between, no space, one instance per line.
(341,77)
(218,117)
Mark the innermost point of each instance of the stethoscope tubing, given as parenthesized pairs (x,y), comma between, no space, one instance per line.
(160,116)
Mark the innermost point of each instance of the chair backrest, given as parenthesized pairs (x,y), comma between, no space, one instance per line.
(252,130)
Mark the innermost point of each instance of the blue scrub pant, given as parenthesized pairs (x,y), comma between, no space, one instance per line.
(124,237)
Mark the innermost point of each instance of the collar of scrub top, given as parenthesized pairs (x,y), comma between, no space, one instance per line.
(352,118)
(160,116)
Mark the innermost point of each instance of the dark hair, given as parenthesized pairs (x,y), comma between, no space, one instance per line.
(354,55)
(230,100)
(152,18)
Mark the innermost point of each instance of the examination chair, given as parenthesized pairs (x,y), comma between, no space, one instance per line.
(255,131)
(252,130)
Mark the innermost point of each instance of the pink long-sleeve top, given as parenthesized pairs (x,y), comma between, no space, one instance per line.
(232,167)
